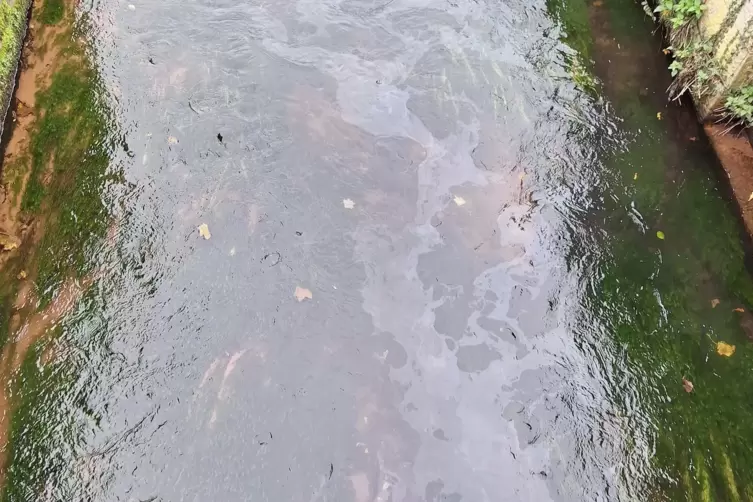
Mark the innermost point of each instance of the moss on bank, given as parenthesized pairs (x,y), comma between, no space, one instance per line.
(655,296)
(572,16)
(67,140)
(69,151)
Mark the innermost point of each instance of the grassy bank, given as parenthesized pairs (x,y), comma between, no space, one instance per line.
(56,181)
(669,298)
(13,14)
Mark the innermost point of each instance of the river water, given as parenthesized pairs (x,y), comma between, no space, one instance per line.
(467,194)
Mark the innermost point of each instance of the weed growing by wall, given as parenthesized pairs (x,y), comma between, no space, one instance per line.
(740,105)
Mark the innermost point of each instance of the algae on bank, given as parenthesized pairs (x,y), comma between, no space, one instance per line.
(572,16)
(667,302)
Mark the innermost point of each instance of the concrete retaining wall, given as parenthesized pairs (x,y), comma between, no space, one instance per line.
(729,25)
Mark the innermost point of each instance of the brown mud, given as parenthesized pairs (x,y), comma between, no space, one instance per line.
(736,156)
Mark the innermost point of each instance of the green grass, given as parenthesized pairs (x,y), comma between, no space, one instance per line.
(12,28)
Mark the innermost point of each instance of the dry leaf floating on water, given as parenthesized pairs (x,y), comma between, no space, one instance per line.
(738,309)
(172,140)
(687,385)
(348,204)
(714,303)
(725,349)
(750,197)
(302,294)
(459,200)
(658,115)
(204,231)
(635,176)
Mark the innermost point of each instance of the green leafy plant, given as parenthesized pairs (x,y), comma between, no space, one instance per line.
(693,68)
(739,105)
(675,67)
(678,13)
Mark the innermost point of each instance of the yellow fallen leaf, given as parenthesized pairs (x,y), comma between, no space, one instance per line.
(687,385)
(738,309)
(635,176)
(302,294)
(204,231)
(714,303)
(658,115)
(459,200)
(666,51)
(660,235)
(750,197)
(22,275)
(172,140)
(724,349)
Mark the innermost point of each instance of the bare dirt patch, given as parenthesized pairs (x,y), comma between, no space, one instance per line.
(736,156)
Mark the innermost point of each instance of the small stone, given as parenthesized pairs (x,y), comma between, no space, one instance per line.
(8,242)
(687,385)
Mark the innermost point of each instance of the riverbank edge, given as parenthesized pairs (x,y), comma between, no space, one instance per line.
(56,157)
